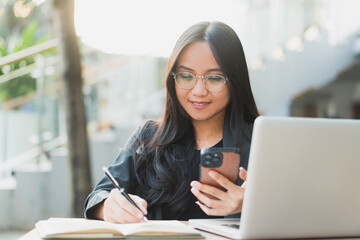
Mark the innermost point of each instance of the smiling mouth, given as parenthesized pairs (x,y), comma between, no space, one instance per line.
(200,103)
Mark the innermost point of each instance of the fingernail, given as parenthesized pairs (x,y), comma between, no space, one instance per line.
(140,215)
(194,190)
(211,173)
(144,219)
(194,184)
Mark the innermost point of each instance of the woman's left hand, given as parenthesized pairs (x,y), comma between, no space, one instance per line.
(225,202)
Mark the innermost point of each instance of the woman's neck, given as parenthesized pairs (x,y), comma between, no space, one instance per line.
(208,133)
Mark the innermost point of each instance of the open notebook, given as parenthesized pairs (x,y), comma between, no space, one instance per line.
(74,228)
(303,181)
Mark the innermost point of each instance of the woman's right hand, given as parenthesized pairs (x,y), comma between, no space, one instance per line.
(117,209)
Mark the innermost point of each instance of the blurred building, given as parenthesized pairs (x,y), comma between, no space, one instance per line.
(340,98)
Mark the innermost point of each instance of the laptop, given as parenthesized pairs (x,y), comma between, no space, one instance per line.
(303,181)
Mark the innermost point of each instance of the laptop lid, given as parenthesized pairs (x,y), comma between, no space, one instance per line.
(303,179)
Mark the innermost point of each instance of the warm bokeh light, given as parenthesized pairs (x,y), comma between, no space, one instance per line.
(312,33)
(294,44)
(22,9)
(258,64)
(278,53)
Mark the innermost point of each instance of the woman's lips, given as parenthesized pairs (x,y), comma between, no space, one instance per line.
(199,105)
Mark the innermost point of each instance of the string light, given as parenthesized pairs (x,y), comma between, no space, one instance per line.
(294,44)
(312,33)
(278,53)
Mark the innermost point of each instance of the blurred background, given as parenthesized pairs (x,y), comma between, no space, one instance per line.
(303,58)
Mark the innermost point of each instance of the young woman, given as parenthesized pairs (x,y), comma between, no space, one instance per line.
(209,103)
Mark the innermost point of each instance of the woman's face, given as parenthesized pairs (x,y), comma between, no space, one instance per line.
(198,102)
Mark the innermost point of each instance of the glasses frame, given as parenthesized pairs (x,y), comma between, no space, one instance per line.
(199,76)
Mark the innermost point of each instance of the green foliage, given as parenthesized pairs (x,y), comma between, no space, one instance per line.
(3,51)
(17,87)
(24,84)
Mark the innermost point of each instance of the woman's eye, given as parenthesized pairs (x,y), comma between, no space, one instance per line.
(215,79)
(186,77)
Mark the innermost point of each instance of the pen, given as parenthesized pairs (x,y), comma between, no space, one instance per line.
(122,190)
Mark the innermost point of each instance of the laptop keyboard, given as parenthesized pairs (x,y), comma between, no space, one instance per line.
(235,226)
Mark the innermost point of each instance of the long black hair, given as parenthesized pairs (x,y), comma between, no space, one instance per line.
(166,148)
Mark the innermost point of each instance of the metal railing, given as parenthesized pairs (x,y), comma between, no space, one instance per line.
(40,71)
(96,81)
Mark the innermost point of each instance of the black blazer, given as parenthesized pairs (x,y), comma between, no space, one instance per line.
(123,171)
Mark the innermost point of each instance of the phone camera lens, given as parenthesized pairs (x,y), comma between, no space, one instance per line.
(215,160)
(208,163)
(212,160)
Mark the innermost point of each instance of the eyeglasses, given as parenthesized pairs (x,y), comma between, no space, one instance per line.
(187,80)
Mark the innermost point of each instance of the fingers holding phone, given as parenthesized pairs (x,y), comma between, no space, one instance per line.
(243,176)
(217,191)
(216,202)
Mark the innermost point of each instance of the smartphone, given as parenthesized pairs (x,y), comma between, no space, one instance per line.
(224,160)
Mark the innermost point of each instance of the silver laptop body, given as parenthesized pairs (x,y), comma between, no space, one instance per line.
(303,181)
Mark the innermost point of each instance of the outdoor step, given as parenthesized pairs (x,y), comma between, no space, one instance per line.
(7,191)
(30,196)
(59,185)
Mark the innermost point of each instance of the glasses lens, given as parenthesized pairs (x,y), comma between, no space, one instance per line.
(214,82)
(185,80)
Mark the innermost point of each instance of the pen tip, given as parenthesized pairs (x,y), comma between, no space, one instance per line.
(104,168)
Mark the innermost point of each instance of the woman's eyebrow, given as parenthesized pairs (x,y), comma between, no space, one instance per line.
(214,70)
(184,67)
(208,70)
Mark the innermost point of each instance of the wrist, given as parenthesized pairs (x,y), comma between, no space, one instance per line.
(99,212)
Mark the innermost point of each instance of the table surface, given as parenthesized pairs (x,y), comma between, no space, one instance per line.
(32,235)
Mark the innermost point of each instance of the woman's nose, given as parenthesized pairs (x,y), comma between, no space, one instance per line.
(199,88)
